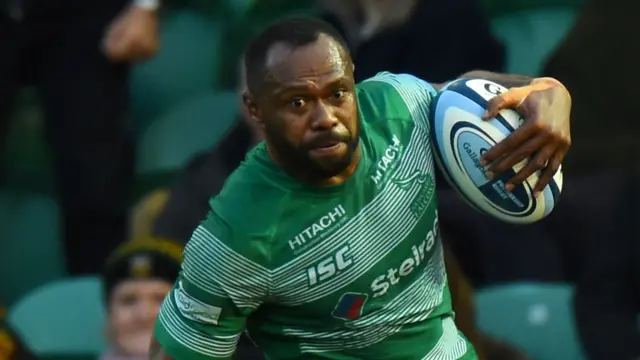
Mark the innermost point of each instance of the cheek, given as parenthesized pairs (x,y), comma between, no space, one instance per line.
(155,308)
(122,318)
(349,117)
(130,332)
(290,128)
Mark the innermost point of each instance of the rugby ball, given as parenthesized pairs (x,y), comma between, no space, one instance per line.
(459,138)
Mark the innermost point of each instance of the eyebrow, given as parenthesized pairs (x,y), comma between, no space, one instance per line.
(301,86)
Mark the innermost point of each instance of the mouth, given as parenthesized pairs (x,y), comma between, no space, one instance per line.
(327,147)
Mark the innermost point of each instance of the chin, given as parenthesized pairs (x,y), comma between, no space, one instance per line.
(136,345)
(329,169)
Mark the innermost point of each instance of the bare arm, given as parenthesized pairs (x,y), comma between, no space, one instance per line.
(156,352)
(506,80)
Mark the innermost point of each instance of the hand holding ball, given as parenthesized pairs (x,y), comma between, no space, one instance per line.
(460,138)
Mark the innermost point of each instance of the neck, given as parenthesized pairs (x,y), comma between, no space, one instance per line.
(299,174)
(256,137)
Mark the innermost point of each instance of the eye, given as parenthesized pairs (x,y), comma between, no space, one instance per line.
(339,94)
(128,299)
(297,102)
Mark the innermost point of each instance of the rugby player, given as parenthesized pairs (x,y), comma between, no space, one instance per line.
(324,243)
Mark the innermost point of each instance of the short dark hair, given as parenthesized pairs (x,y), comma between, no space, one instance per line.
(294,31)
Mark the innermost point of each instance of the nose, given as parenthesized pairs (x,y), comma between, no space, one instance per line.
(147,312)
(323,118)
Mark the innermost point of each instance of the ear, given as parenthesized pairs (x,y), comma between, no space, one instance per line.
(252,107)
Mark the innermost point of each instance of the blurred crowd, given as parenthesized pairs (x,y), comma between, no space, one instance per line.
(119,121)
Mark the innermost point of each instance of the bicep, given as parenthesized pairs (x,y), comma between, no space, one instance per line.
(205,313)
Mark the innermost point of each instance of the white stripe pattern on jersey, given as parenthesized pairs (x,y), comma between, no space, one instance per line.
(371,235)
(450,346)
(380,225)
(410,160)
(416,303)
(192,339)
(218,270)
(413,91)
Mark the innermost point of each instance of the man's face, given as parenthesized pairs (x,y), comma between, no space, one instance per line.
(307,107)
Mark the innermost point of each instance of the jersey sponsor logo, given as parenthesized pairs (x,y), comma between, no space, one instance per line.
(388,162)
(316,231)
(194,309)
(329,267)
(350,306)
(381,285)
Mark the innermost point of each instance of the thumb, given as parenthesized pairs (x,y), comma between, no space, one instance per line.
(514,97)
(509,99)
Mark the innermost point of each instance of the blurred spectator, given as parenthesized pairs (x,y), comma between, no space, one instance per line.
(145,212)
(398,36)
(76,52)
(598,62)
(607,298)
(492,252)
(204,176)
(137,277)
(188,201)
(11,347)
(551,250)
(463,304)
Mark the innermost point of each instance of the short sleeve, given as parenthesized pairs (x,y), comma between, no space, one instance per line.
(220,285)
(416,93)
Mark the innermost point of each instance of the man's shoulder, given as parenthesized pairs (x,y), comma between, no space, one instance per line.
(401,83)
(247,206)
(391,96)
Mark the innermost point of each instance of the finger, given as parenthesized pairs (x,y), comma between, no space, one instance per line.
(549,171)
(510,99)
(524,151)
(538,162)
(522,134)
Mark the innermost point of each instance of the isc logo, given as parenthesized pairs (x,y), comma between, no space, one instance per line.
(330,266)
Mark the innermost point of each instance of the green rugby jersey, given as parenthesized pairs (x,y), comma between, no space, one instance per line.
(351,271)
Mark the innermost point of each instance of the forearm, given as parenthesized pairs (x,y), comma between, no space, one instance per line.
(506,80)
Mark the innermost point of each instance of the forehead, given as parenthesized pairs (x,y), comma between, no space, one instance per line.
(312,65)
(137,286)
